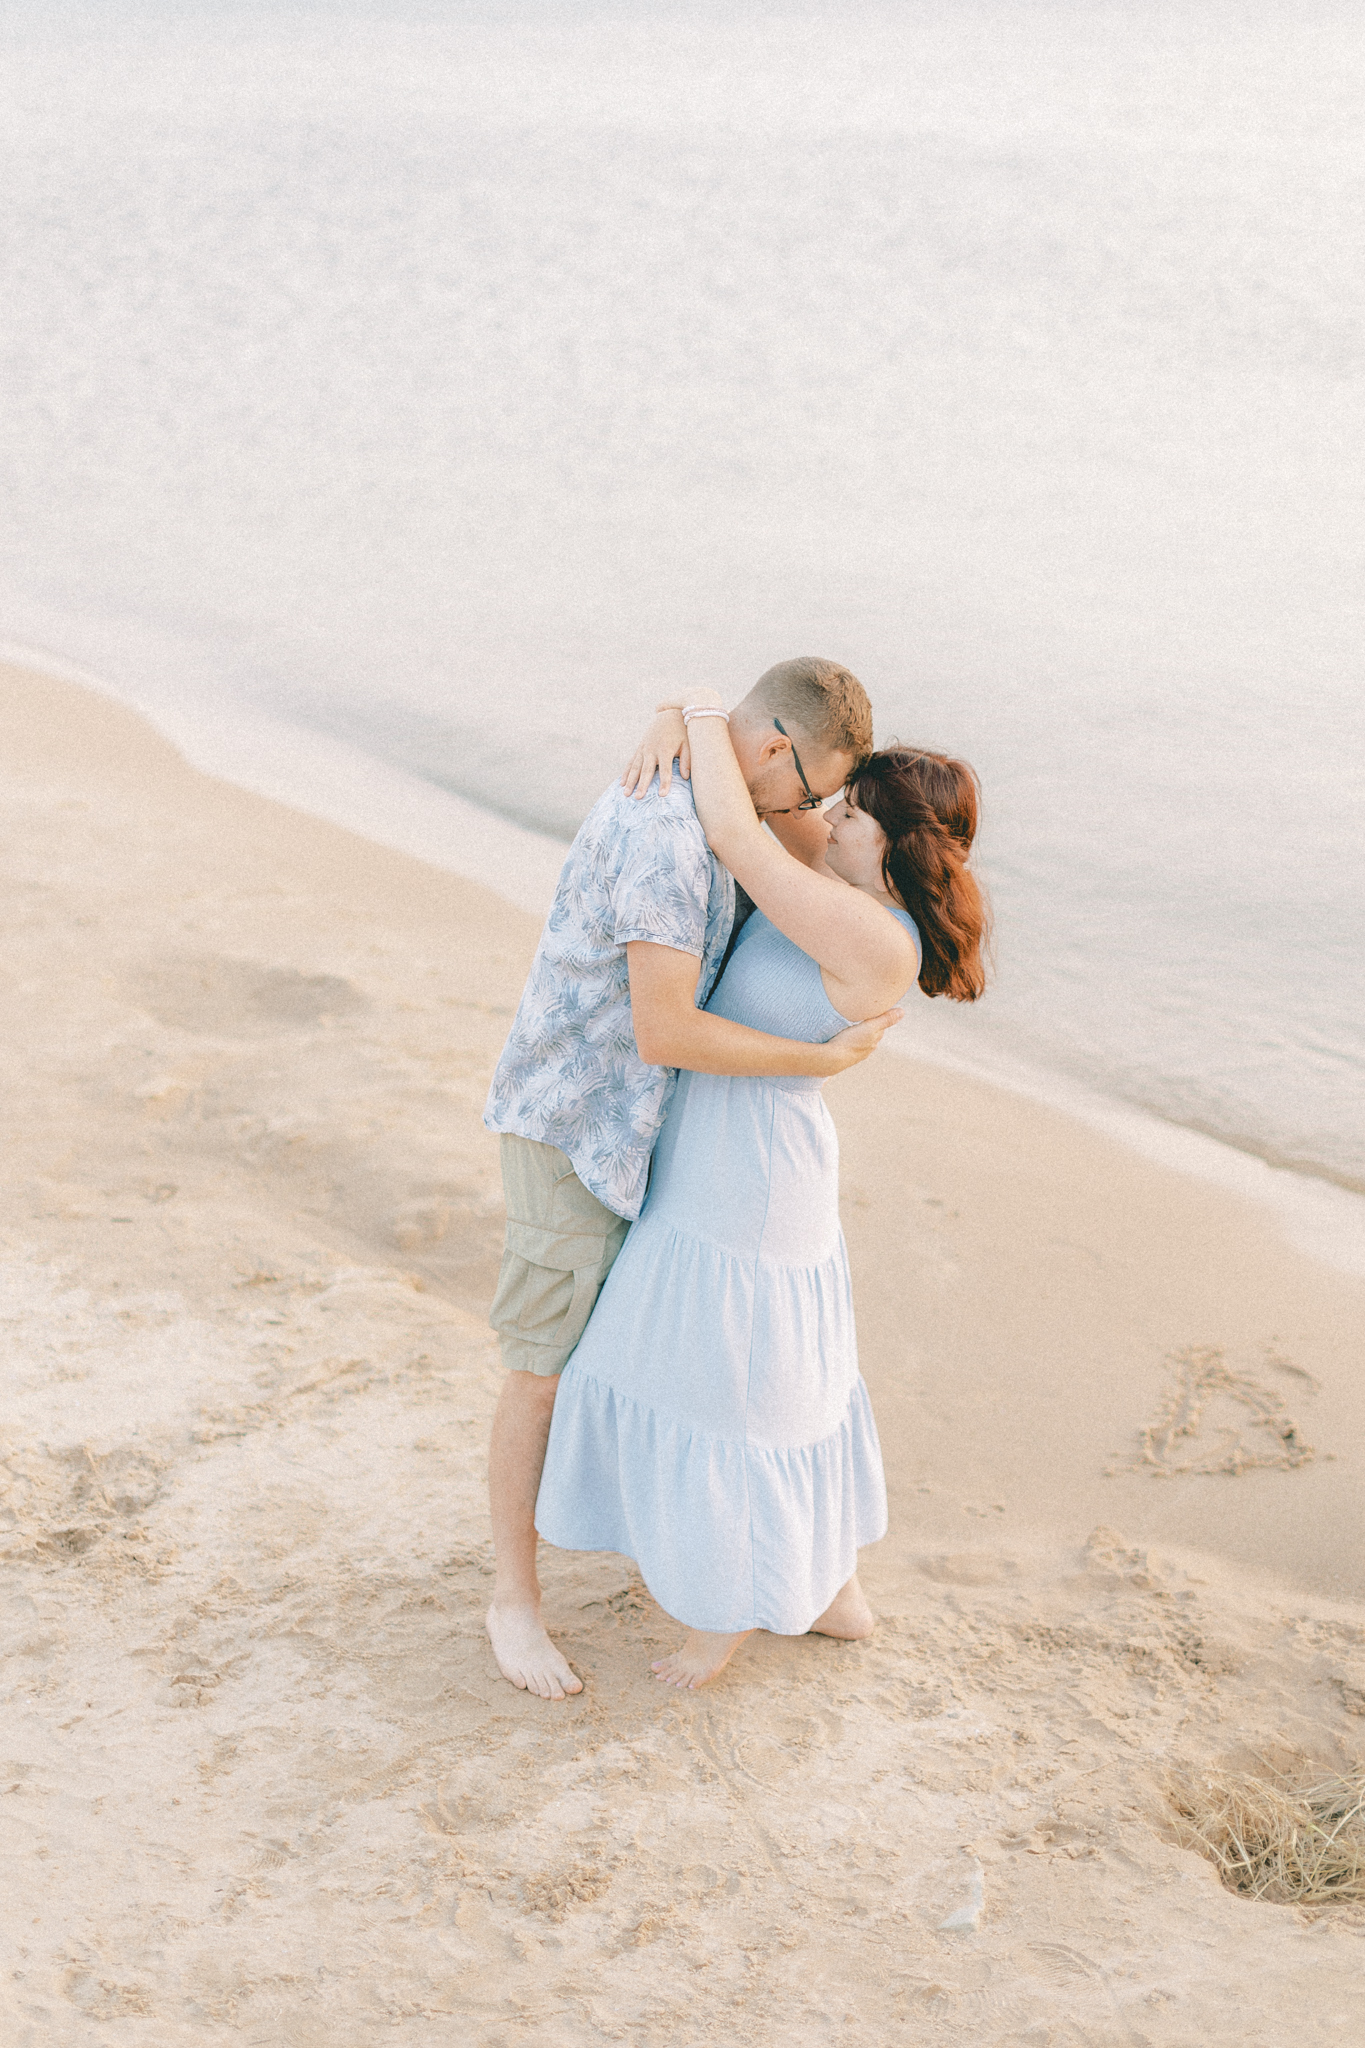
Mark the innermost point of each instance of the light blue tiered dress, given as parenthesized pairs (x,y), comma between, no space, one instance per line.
(713,1423)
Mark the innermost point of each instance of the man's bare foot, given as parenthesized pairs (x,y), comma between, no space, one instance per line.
(526,1655)
(698,1657)
(848,1615)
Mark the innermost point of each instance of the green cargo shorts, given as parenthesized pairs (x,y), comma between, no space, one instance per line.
(560,1245)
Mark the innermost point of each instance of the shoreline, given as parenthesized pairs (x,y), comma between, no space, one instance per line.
(338,783)
(1319,1214)
(343,785)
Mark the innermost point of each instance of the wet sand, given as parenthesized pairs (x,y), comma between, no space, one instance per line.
(261,1777)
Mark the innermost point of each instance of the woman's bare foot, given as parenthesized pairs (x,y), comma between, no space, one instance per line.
(698,1657)
(526,1655)
(848,1615)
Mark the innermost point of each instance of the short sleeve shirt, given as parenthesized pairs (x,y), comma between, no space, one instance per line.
(570,1074)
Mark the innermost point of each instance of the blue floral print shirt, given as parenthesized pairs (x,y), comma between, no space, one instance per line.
(569,1074)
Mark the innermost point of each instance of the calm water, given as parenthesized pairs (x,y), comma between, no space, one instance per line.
(446,378)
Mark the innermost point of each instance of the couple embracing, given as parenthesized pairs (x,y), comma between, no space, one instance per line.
(674,1304)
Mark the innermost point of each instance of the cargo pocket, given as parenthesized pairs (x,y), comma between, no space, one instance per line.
(529,1299)
(548,1284)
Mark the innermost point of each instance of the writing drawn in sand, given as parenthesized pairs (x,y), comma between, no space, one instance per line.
(1257,1432)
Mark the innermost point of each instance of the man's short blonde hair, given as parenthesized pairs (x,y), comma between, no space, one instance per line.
(821,699)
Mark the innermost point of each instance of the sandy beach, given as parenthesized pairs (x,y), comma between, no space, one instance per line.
(262,1781)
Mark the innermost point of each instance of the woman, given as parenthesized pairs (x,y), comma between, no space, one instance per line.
(712,1422)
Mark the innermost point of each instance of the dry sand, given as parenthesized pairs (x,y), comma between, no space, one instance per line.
(261,1780)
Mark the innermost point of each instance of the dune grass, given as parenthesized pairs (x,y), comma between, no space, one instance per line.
(1288,1836)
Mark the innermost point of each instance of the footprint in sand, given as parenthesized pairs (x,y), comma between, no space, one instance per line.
(969,1567)
(219,997)
(63,1502)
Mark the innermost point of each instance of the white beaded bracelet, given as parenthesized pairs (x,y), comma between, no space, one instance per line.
(692,711)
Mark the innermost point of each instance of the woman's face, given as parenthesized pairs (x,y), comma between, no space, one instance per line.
(856,845)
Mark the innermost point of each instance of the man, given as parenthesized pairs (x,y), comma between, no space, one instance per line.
(611,1010)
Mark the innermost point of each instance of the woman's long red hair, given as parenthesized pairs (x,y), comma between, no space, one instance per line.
(928,806)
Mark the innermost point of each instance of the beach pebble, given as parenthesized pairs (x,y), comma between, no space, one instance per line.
(965,1919)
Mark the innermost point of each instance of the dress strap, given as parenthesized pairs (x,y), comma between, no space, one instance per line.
(904,917)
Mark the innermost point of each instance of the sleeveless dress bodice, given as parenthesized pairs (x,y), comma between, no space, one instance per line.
(712,1422)
(771,985)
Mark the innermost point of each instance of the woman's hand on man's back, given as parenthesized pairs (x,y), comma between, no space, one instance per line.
(664,742)
(848,1048)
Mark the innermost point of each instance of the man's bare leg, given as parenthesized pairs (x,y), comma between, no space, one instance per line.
(848,1615)
(697,1658)
(516,1455)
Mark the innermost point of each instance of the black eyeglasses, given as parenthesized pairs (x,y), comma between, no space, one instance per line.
(810,801)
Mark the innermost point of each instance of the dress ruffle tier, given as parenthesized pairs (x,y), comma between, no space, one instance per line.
(727,1536)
